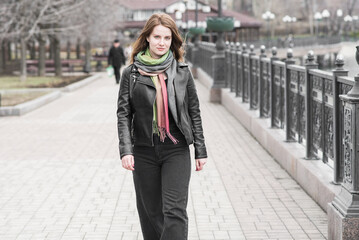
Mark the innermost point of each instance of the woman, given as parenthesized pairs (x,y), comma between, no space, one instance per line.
(158,118)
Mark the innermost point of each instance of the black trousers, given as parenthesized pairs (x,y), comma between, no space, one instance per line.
(116,70)
(161,179)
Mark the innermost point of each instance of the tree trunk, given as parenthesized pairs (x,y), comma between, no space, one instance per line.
(16,51)
(9,57)
(23,60)
(78,49)
(68,50)
(42,56)
(3,54)
(57,57)
(32,50)
(87,67)
(51,49)
(1,58)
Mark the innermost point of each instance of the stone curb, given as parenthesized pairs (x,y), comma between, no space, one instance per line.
(55,93)
(313,176)
(79,84)
(28,106)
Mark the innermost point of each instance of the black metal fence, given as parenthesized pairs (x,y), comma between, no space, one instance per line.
(302,100)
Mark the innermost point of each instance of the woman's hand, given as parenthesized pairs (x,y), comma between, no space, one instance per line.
(128,162)
(200,163)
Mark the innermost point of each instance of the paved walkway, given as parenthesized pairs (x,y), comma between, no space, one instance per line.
(61,178)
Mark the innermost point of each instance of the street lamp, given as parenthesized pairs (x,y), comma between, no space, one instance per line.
(317,18)
(339,16)
(355,19)
(178,16)
(186,9)
(326,15)
(268,16)
(287,20)
(348,20)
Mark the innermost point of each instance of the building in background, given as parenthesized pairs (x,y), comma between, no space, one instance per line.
(246,28)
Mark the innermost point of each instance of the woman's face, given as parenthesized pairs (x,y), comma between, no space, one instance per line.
(159,41)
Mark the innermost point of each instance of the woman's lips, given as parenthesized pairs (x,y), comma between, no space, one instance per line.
(160,49)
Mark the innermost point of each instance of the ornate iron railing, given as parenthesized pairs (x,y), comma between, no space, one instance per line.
(301,100)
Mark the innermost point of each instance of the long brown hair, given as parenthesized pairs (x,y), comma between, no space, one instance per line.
(165,20)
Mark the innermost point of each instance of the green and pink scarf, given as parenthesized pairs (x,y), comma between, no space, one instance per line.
(155,68)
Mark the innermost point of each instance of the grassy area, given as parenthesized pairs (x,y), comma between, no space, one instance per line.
(12,99)
(7,82)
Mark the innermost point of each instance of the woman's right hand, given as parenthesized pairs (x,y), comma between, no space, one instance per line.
(128,162)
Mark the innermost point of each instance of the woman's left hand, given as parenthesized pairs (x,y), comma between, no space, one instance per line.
(200,163)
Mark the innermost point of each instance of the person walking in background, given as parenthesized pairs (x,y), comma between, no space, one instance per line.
(116,58)
(158,118)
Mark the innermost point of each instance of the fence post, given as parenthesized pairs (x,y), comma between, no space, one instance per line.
(261,81)
(310,64)
(272,59)
(250,80)
(195,52)
(231,72)
(244,51)
(238,62)
(343,212)
(227,60)
(288,124)
(337,142)
(219,73)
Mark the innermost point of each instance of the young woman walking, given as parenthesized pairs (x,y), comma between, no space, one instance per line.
(158,118)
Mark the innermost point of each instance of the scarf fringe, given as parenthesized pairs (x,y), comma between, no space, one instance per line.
(163,133)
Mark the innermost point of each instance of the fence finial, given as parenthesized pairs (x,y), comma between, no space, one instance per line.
(310,57)
(238,46)
(339,62)
(263,49)
(274,51)
(251,47)
(244,46)
(289,53)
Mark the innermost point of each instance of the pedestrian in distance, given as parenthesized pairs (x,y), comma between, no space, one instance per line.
(158,118)
(116,58)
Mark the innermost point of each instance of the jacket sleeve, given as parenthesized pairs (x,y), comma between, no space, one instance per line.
(124,115)
(195,115)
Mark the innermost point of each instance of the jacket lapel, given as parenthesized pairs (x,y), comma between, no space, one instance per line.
(146,81)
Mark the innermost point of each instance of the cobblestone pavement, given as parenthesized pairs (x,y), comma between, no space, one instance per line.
(61,178)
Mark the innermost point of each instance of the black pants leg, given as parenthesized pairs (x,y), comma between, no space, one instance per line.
(116,70)
(161,179)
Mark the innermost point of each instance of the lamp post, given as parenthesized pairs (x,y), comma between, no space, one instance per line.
(317,18)
(339,16)
(268,16)
(288,20)
(326,15)
(355,23)
(178,16)
(348,20)
(186,16)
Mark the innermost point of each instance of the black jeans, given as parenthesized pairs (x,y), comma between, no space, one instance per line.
(161,179)
(116,70)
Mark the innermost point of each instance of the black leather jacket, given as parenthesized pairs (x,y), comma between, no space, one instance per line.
(135,110)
